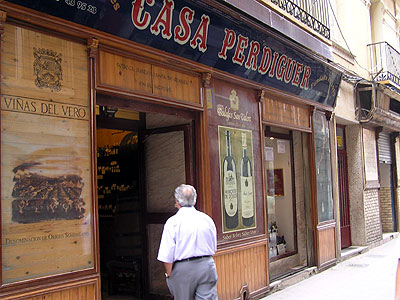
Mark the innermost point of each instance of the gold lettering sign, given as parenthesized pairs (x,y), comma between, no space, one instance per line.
(286,114)
(136,76)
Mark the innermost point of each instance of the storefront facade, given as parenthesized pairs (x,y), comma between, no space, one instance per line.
(107,107)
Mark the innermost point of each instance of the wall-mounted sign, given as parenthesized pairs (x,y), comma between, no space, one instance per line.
(46,197)
(125,73)
(196,31)
(237,200)
(278,112)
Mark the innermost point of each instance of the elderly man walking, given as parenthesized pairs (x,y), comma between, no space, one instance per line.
(187,244)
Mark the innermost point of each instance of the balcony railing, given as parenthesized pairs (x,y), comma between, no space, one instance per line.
(313,13)
(385,63)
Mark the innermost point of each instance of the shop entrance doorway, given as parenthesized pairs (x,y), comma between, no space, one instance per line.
(344,200)
(143,153)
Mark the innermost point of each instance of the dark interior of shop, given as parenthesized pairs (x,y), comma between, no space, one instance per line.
(140,160)
(119,206)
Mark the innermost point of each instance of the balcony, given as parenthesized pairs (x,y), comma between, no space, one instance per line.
(313,13)
(385,64)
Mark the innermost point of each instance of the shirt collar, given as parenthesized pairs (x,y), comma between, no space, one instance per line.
(186,209)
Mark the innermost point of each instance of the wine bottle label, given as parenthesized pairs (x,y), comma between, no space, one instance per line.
(247,199)
(230,193)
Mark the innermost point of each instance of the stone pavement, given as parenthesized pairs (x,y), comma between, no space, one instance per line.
(367,276)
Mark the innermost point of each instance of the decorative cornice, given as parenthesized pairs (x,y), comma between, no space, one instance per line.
(261,94)
(93,47)
(206,79)
(3,18)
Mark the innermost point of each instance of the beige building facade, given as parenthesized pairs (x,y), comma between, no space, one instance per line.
(366,47)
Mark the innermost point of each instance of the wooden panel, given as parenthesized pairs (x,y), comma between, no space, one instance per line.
(248,266)
(326,245)
(279,112)
(46,196)
(136,76)
(82,292)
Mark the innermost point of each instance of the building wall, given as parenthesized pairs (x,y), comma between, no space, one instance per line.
(385,197)
(373,228)
(386,209)
(349,37)
(385,23)
(356,184)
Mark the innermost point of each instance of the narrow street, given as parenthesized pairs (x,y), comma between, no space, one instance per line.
(368,276)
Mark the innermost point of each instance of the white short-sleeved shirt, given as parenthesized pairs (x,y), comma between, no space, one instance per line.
(188,233)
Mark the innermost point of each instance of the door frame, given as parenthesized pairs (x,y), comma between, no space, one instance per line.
(191,144)
(344,211)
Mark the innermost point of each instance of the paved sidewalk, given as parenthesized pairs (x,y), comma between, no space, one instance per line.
(368,276)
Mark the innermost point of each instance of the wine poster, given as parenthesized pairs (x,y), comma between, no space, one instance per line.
(236,162)
(46,201)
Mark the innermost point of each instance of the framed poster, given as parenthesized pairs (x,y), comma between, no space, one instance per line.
(46,201)
(236,172)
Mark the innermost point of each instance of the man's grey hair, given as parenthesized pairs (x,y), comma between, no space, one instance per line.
(185,195)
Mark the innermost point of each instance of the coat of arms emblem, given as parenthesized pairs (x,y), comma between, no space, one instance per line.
(234,99)
(47,69)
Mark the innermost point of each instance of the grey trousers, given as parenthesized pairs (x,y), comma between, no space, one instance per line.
(195,279)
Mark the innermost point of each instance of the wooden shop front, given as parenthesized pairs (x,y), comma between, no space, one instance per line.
(107,107)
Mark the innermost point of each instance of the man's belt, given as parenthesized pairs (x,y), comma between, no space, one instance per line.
(191,258)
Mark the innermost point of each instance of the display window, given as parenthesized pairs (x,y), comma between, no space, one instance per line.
(279,169)
(323,167)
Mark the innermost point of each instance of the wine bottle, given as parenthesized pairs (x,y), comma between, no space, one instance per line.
(230,187)
(246,186)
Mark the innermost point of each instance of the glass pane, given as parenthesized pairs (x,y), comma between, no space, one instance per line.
(323,167)
(278,168)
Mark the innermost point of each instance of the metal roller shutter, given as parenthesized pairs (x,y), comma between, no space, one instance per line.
(384,148)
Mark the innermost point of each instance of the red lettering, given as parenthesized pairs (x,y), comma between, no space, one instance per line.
(265,61)
(280,69)
(289,68)
(306,78)
(229,42)
(253,55)
(272,71)
(137,10)
(164,19)
(201,34)
(297,72)
(182,31)
(242,44)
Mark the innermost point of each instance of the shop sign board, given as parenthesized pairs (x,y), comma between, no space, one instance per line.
(198,32)
(124,73)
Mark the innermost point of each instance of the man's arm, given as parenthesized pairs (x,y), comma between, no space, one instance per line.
(168,268)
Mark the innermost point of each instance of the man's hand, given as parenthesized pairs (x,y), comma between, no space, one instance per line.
(168,268)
